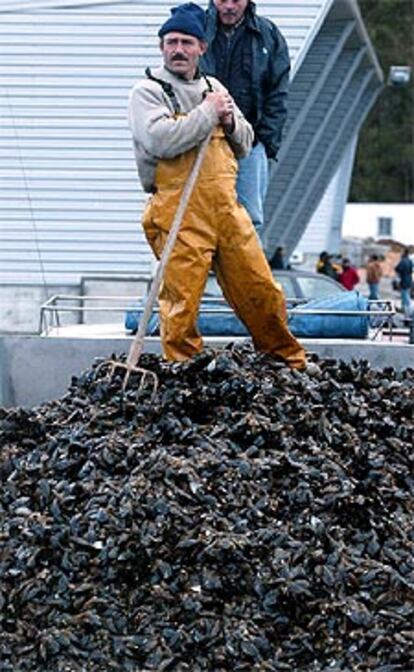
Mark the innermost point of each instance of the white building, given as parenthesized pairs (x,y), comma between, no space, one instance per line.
(380,221)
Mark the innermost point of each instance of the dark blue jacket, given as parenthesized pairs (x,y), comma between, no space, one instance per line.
(270,69)
(404,268)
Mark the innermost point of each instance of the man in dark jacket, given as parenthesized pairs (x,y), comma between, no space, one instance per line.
(404,269)
(249,55)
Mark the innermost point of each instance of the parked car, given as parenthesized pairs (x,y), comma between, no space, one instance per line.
(304,285)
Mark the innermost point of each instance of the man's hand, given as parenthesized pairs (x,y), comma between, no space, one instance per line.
(224,106)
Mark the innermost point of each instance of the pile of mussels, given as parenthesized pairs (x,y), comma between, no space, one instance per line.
(247,518)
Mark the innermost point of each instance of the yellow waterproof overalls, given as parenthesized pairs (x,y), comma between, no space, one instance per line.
(215,232)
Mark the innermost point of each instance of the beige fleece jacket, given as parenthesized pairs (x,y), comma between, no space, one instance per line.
(158,134)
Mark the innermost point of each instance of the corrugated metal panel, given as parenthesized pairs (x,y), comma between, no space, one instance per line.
(70,202)
(67,175)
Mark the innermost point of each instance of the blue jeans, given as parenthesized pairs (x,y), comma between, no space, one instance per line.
(373,291)
(406,302)
(252,182)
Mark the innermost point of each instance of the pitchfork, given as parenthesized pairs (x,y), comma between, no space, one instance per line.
(138,344)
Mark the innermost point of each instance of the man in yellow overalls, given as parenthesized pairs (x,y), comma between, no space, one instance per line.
(170,114)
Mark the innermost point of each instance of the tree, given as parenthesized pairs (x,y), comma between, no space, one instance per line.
(384,167)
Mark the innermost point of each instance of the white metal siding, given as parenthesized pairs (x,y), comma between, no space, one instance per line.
(70,202)
(69,191)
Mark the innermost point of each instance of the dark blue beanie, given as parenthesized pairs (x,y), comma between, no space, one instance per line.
(188,18)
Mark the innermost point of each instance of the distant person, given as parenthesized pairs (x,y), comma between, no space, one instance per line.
(278,261)
(404,270)
(326,267)
(336,262)
(374,275)
(348,277)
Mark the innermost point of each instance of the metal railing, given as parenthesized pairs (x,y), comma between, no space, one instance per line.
(380,311)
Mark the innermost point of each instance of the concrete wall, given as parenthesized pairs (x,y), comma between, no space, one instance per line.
(35,369)
(128,288)
(20,305)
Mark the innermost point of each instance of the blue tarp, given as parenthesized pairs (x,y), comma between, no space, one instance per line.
(305,326)
(209,324)
(133,317)
(332,326)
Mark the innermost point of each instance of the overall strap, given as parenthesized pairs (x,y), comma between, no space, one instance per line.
(168,90)
(208,83)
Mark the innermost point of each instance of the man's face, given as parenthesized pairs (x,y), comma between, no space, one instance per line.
(230,11)
(181,53)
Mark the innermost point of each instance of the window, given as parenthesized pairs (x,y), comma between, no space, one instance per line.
(317,288)
(287,285)
(385,227)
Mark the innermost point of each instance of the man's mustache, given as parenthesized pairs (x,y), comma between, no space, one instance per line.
(179,57)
